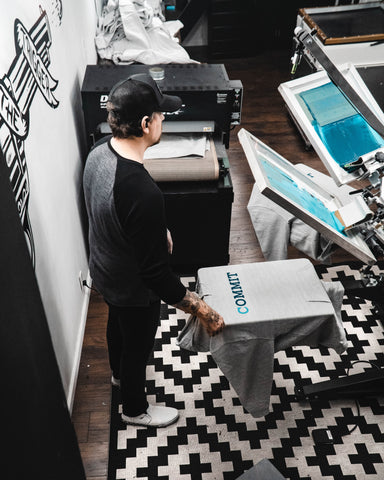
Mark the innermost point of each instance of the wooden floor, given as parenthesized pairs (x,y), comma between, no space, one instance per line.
(264,115)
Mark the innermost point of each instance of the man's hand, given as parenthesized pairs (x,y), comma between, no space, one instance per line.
(212,321)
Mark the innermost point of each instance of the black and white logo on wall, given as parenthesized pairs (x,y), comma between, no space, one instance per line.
(28,74)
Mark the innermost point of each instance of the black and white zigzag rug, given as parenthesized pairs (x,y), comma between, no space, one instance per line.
(215,439)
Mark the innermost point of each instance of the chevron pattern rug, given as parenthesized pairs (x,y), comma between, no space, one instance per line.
(216,439)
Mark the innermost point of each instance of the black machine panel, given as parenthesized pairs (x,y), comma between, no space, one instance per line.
(199,218)
(206,91)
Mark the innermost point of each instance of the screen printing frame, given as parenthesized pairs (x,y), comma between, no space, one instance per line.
(289,91)
(358,52)
(307,15)
(253,148)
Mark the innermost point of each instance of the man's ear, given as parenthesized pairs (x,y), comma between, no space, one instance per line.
(144,122)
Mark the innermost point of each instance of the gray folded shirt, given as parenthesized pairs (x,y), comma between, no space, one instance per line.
(276,229)
(267,307)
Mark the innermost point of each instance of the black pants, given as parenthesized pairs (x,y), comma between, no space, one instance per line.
(131,335)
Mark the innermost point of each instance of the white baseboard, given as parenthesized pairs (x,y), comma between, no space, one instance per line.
(79,345)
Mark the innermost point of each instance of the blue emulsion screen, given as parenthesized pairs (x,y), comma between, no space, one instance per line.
(344,132)
(283,183)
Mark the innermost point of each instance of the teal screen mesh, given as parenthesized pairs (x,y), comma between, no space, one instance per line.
(344,132)
(283,183)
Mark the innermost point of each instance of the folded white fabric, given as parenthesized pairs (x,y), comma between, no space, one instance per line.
(129,31)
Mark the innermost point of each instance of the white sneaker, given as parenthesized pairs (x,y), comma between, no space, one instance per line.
(155,416)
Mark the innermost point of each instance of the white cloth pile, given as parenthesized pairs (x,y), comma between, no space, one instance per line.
(131,31)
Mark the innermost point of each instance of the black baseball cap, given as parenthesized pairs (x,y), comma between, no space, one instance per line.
(139,95)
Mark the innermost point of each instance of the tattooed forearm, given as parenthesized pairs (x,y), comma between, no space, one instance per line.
(191,303)
(210,319)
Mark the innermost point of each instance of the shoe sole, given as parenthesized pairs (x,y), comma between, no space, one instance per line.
(149,425)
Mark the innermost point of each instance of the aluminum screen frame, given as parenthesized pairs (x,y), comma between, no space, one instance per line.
(291,89)
(256,152)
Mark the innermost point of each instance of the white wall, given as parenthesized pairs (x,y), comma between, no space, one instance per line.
(54,153)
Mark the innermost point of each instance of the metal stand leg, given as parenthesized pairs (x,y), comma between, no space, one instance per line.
(369,383)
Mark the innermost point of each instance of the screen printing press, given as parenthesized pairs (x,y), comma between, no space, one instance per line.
(190,163)
(346,33)
(336,112)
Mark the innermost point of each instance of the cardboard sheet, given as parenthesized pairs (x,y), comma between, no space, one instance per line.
(185,168)
(174,145)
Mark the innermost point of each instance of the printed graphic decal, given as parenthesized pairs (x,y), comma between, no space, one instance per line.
(27,74)
(56,12)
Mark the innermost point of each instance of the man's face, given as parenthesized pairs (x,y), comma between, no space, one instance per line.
(156,127)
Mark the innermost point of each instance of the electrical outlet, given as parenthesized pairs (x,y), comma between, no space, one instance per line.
(81,280)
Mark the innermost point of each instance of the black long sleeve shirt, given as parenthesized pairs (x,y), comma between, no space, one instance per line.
(129,260)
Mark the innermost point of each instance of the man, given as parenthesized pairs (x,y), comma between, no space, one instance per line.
(130,244)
